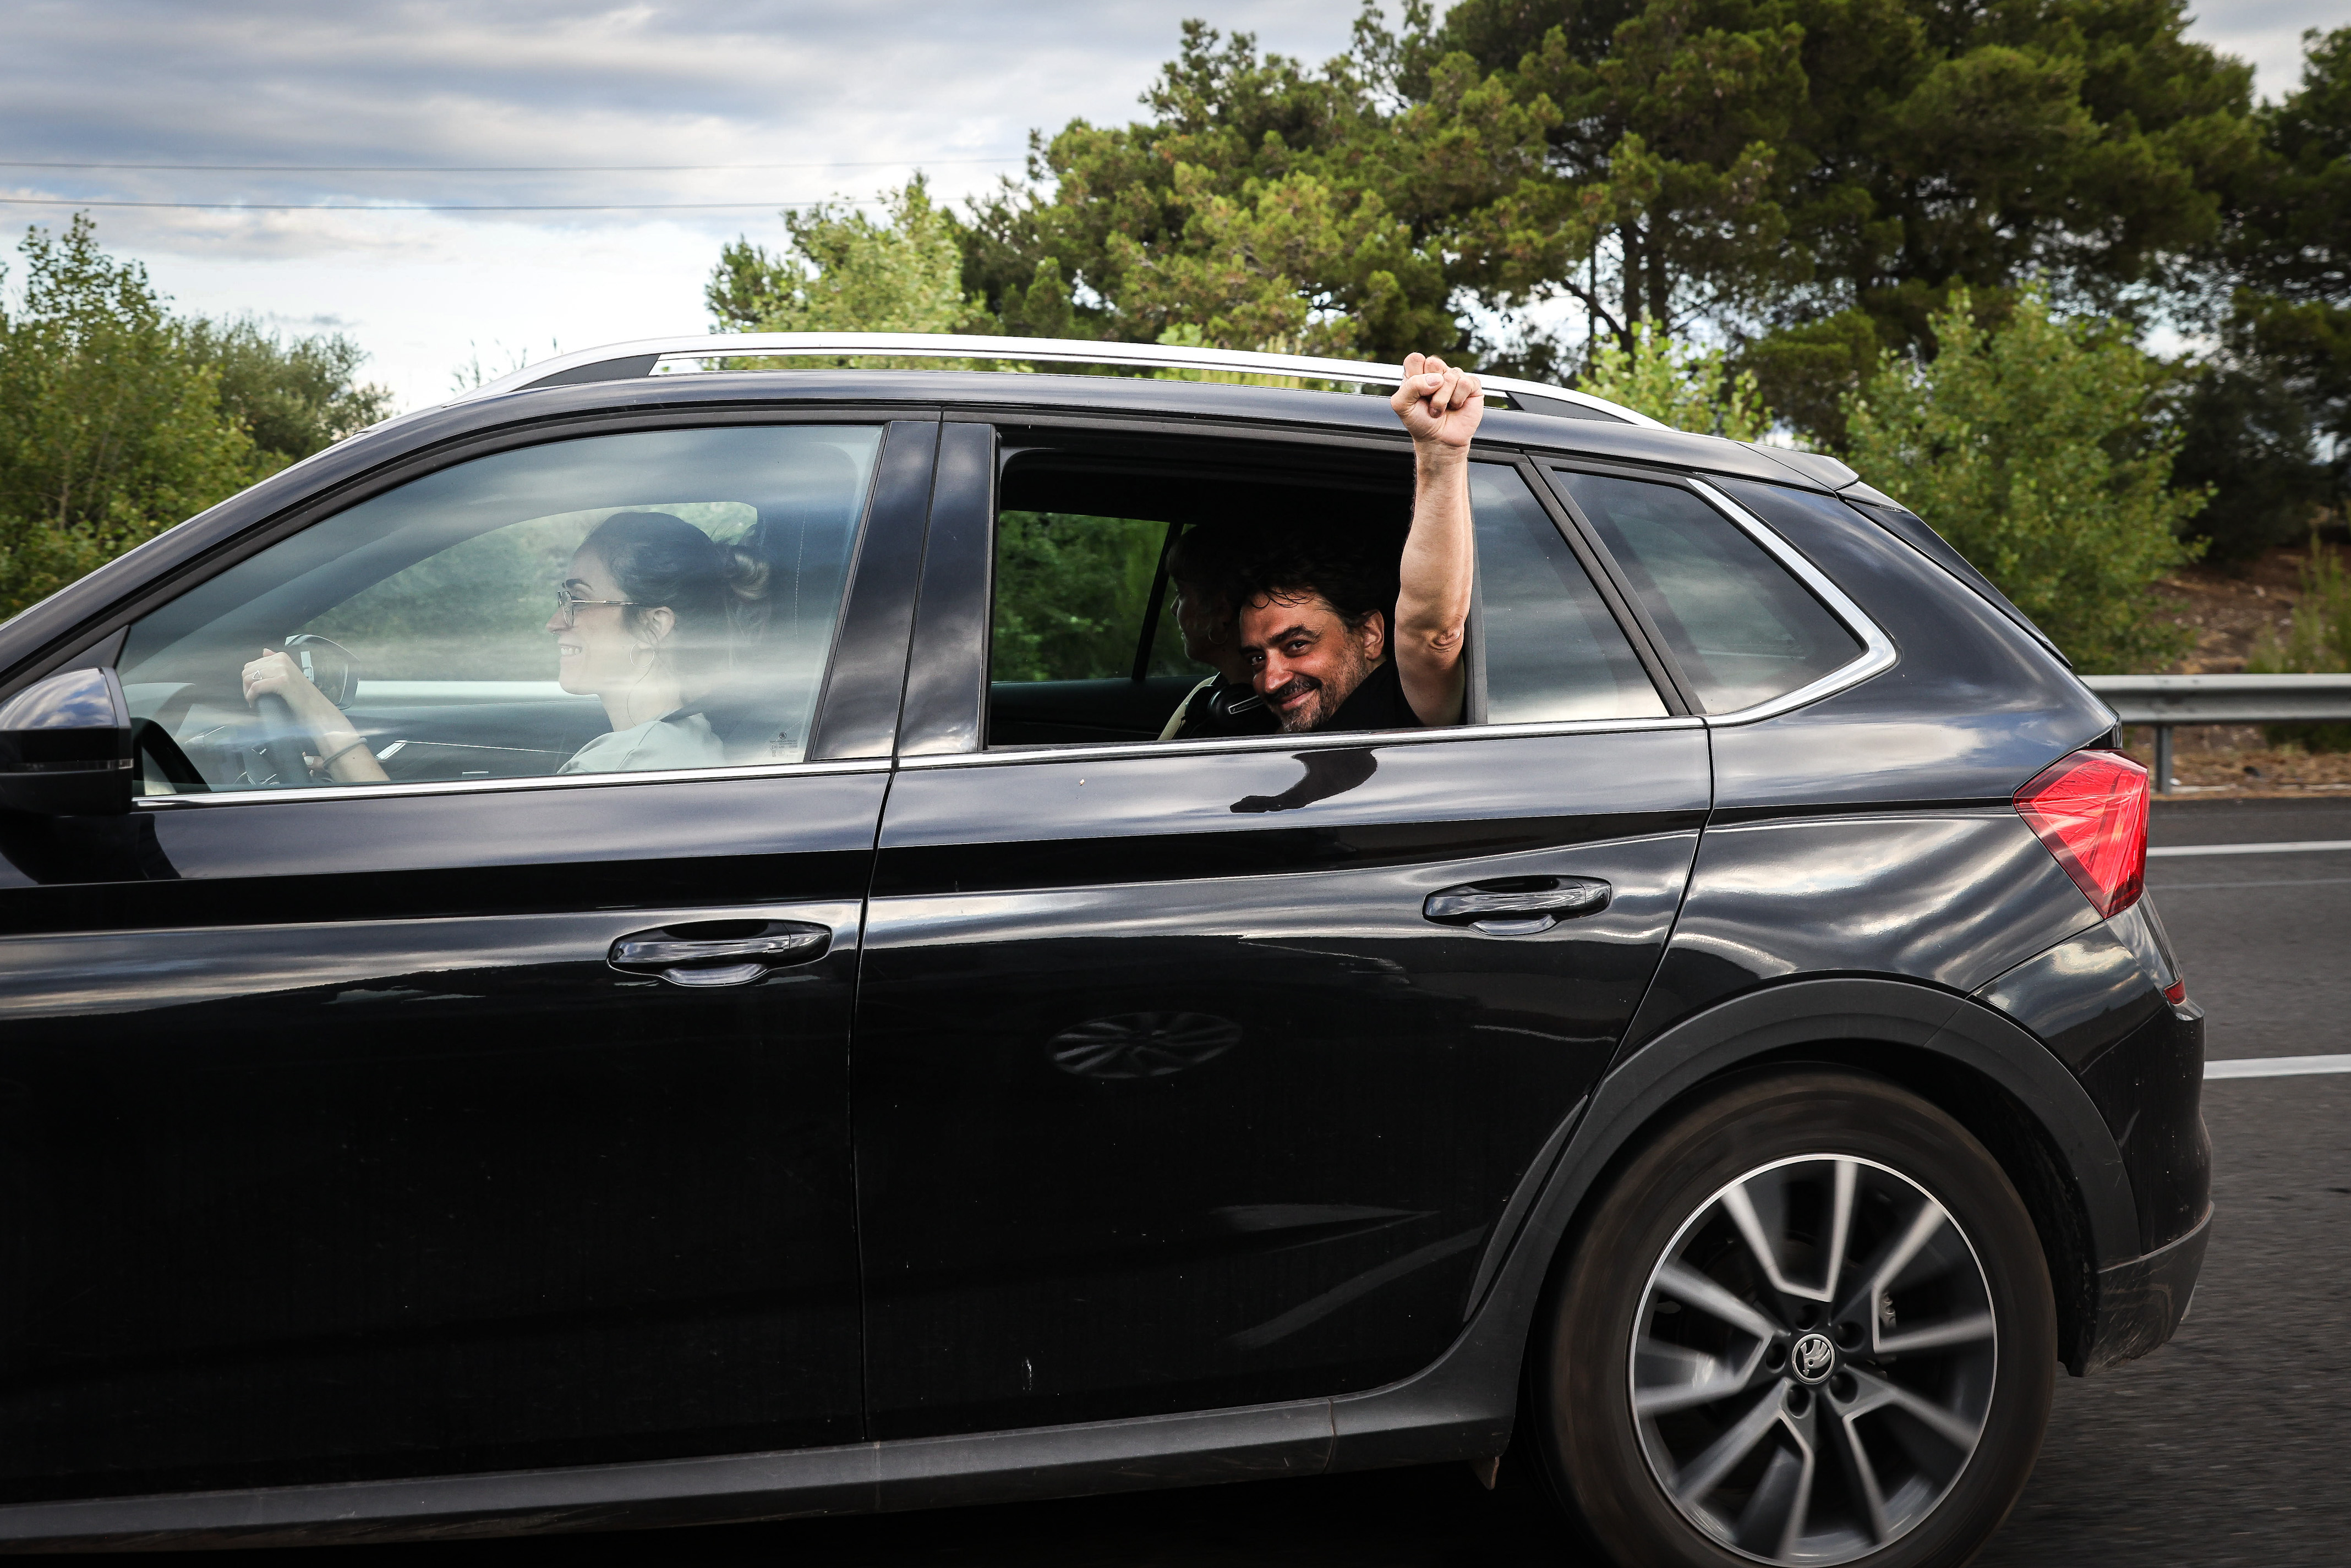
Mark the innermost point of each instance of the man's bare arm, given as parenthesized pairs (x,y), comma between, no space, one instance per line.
(1441,406)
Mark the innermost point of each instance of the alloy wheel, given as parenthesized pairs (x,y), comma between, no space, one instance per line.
(1813,1360)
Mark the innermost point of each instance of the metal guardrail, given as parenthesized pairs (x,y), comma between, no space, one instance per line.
(2167,701)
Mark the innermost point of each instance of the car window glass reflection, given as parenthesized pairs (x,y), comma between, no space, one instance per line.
(1552,652)
(1744,629)
(649,601)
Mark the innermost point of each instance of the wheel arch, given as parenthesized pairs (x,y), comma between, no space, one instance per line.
(1983,1070)
(1988,1073)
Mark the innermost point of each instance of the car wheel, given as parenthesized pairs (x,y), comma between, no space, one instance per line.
(1810,1323)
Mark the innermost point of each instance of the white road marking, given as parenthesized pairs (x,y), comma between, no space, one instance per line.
(2306,847)
(2276,1066)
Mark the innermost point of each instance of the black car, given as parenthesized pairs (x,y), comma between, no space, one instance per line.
(861,1066)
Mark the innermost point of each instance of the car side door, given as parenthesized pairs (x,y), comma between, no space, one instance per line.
(1202,1074)
(487,1115)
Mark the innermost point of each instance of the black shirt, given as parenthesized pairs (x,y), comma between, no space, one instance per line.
(1377,704)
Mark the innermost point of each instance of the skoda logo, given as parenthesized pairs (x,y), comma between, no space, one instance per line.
(1812,1356)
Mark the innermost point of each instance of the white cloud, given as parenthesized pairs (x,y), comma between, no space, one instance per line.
(2267,33)
(863,93)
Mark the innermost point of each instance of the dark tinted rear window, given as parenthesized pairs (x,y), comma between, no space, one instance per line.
(1744,629)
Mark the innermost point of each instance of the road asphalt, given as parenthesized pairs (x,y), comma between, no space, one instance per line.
(2225,1447)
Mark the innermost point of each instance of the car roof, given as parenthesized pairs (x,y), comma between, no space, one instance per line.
(1129,401)
(626,361)
(1016,395)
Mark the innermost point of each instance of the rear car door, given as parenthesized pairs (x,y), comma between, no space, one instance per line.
(487,1115)
(1186,1076)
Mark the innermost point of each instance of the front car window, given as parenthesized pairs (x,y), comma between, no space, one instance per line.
(612,604)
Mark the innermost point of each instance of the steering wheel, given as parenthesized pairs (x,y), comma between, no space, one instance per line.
(280,744)
(329,666)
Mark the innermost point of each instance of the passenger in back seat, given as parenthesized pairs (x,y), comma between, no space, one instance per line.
(1205,568)
(1339,637)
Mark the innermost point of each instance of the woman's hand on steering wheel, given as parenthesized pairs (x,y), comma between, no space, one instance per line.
(342,751)
(275,674)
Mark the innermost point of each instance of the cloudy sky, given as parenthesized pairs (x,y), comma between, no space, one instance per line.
(705,115)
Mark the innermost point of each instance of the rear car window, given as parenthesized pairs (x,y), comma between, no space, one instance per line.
(1550,650)
(1085,642)
(1744,629)
(453,629)
(1074,599)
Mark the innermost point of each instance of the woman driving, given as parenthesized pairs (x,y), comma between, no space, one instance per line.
(644,622)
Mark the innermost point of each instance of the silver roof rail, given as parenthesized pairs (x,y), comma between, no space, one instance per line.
(625,361)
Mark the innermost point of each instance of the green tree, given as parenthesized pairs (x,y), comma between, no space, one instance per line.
(1678,384)
(844,271)
(1667,123)
(111,431)
(2289,243)
(2317,642)
(1806,179)
(2247,437)
(117,419)
(1265,203)
(294,396)
(2027,442)
(1814,176)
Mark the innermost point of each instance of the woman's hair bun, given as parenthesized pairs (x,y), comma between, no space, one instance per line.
(746,574)
(717,592)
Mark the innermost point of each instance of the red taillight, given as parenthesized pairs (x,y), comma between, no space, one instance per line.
(2176,992)
(2090,809)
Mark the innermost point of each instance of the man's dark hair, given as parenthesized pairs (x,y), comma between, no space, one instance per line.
(1354,575)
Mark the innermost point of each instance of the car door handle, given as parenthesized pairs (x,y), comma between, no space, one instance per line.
(683,958)
(1534,904)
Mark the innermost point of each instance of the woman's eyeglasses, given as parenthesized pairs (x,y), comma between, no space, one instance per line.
(568,603)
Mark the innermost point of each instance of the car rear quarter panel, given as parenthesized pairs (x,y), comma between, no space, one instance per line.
(2096,1001)
(1871,832)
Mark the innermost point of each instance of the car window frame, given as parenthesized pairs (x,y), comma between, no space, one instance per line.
(861,589)
(1878,652)
(950,658)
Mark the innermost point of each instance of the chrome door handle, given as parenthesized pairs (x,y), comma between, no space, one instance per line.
(685,960)
(1517,911)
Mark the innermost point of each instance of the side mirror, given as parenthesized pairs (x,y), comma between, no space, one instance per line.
(64,746)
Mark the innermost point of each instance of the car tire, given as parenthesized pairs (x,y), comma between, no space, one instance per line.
(1894,1411)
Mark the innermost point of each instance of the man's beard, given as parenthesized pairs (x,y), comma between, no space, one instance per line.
(1328,697)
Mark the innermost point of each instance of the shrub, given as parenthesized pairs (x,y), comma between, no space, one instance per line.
(2317,642)
(2034,447)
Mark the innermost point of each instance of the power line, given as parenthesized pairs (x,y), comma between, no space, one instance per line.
(498,168)
(383,207)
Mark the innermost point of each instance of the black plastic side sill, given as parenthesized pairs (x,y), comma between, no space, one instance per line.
(1261,1442)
